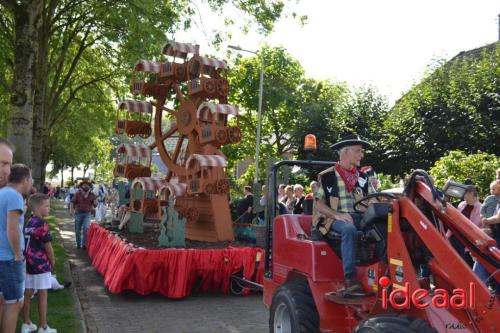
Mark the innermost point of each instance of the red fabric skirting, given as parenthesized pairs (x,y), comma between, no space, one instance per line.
(171,272)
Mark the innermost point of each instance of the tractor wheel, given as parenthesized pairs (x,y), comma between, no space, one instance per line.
(293,309)
(394,323)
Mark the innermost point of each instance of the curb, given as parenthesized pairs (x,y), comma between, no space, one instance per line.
(69,273)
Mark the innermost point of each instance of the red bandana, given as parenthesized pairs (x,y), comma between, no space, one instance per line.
(350,177)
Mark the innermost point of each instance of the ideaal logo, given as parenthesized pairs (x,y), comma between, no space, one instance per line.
(404,298)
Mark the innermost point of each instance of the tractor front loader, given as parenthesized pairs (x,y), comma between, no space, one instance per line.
(421,285)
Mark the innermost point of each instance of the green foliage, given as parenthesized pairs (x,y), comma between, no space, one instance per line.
(86,51)
(459,165)
(388,181)
(456,107)
(283,76)
(333,111)
(294,106)
(322,101)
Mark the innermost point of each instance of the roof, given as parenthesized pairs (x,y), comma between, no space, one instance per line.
(136,106)
(148,183)
(156,160)
(475,53)
(176,189)
(135,150)
(207,160)
(147,66)
(218,108)
(213,62)
(179,50)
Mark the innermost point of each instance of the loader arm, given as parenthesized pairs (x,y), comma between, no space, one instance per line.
(486,312)
(483,247)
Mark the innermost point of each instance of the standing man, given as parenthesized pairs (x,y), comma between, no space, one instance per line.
(490,202)
(333,207)
(246,206)
(12,265)
(81,206)
(6,156)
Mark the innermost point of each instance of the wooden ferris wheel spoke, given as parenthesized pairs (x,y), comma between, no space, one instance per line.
(168,134)
(164,108)
(172,112)
(175,155)
(178,92)
(178,147)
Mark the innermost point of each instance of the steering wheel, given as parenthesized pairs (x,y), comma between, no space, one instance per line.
(366,201)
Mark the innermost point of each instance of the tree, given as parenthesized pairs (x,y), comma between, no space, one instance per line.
(459,165)
(23,21)
(321,102)
(332,110)
(52,41)
(281,102)
(455,107)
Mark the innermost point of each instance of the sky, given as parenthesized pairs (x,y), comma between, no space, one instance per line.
(387,44)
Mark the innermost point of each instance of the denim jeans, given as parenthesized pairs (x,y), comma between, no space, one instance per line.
(12,280)
(483,274)
(349,235)
(82,220)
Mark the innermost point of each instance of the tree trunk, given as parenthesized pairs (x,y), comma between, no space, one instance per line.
(62,177)
(40,137)
(40,132)
(72,175)
(43,166)
(40,149)
(27,16)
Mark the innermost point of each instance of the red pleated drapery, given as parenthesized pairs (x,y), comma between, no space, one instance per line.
(171,272)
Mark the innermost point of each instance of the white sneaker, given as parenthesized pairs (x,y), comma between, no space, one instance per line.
(27,328)
(47,330)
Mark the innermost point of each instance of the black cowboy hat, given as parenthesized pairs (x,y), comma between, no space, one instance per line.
(350,140)
(83,182)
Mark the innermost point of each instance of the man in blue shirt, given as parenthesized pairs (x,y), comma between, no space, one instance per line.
(12,243)
(6,156)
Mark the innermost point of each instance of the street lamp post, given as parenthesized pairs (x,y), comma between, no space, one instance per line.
(259,111)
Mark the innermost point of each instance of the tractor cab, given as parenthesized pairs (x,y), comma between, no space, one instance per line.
(209,176)
(212,124)
(132,160)
(134,118)
(174,65)
(208,78)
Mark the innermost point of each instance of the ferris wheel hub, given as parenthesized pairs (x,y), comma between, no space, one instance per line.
(186,117)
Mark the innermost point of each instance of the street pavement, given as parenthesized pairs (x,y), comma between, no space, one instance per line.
(104,312)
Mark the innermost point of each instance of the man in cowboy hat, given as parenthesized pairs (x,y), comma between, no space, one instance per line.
(333,207)
(81,206)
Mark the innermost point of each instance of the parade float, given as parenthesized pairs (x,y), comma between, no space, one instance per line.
(180,232)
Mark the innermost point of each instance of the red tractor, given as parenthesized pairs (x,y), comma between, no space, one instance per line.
(301,273)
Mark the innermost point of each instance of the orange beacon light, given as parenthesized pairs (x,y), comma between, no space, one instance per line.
(310,142)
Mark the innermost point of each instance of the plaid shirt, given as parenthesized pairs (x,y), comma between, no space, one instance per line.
(346,198)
